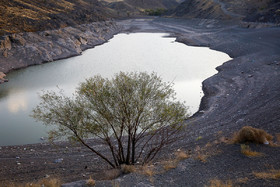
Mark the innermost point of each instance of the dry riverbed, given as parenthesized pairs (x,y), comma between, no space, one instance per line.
(244,92)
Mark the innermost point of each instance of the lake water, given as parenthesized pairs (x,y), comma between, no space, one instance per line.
(186,66)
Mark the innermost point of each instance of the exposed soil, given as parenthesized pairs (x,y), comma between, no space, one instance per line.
(244,92)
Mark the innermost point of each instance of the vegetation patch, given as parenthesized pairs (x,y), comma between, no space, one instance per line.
(219,183)
(250,134)
(246,150)
(271,174)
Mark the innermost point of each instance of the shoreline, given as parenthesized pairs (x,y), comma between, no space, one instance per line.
(245,91)
(34,48)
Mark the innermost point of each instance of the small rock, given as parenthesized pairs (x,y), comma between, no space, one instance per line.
(47,176)
(59,160)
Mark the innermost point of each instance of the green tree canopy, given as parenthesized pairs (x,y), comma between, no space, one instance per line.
(134,114)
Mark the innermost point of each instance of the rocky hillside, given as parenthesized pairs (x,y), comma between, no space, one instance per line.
(29,15)
(199,9)
(247,10)
(127,8)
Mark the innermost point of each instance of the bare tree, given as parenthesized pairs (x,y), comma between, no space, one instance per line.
(134,114)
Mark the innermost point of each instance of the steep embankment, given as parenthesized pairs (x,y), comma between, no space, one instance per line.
(34,32)
(253,11)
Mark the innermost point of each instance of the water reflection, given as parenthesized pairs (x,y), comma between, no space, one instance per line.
(186,66)
(17,103)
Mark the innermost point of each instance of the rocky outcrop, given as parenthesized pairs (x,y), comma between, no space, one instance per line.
(2,79)
(31,48)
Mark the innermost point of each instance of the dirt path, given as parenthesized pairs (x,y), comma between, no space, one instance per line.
(226,11)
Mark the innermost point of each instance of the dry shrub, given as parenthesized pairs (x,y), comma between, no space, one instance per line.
(250,134)
(245,150)
(90,182)
(271,174)
(219,183)
(128,168)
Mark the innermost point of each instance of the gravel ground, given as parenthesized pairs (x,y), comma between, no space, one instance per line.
(244,92)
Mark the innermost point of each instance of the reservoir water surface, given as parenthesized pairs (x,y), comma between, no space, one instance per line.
(186,66)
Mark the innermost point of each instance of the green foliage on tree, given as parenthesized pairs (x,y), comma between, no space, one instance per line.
(134,114)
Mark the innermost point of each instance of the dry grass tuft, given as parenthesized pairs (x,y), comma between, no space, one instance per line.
(219,183)
(173,162)
(127,168)
(181,155)
(148,170)
(210,149)
(271,174)
(246,150)
(250,134)
(90,182)
(278,137)
(242,180)
(201,157)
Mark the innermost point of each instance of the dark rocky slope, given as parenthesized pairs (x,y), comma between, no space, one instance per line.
(253,11)
(130,8)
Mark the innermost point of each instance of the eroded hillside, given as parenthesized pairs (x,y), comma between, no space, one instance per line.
(29,15)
